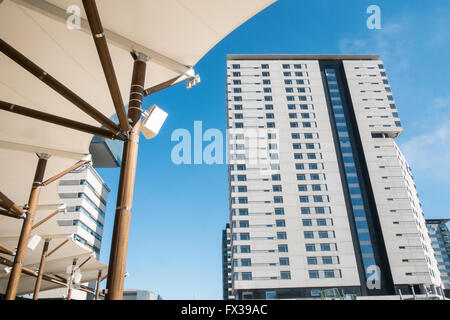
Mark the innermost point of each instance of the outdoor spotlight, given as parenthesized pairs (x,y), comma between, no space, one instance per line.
(127,274)
(153,121)
(77,276)
(33,242)
(6,270)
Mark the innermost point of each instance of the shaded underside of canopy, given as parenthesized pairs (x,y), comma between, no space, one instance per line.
(175,34)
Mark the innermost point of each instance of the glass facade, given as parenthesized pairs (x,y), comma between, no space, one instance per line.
(352,179)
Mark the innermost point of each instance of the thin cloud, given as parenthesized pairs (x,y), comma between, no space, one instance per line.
(429,151)
(392,42)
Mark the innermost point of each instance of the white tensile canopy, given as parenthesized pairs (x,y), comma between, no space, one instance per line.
(173,34)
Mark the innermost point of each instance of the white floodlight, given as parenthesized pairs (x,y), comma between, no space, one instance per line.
(153,121)
(6,270)
(77,276)
(33,242)
(69,270)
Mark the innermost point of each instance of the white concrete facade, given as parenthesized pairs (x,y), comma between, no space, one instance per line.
(308,244)
(85,195)
(402,220)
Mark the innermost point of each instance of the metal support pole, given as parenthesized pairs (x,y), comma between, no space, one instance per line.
(37,287)
(35,70)
(19,258)
(105,59)
(69,290)
(119,244)
(10,206)
(97,289)
(35,114)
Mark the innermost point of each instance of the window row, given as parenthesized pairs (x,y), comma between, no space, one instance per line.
(323,274)
(281,212)
(323,260)
(284,275)
(246,262)
(319,234)
(247,249)
(317,222)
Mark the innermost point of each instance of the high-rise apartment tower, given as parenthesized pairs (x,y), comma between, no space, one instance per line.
(320,195)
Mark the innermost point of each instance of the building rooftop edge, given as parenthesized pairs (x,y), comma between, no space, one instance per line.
(303,57)
(437,220)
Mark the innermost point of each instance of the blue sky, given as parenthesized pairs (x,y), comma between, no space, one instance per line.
(180,211)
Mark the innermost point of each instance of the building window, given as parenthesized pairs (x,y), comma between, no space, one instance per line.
(278,199)
(245,249)
(281,235)
(312,260)
(284,261)
(282,248)
(327,260)
(243,224)
(246,262)
(276,177)
(313,274)
(243,200)
(277,188)
(242,188)
(279,211)
(305,210)
(243,212)
(244,236)
(329,274)
(246,276)
(304,199)
(285,275)
(280,223)
(308,235)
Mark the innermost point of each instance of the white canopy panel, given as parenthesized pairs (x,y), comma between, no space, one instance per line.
(175,34)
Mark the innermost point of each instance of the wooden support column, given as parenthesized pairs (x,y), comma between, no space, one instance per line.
(35,70)
(10,206)
(97,289)
(37,287)
(75,125)
(19,258)
(105,59)
(119,245)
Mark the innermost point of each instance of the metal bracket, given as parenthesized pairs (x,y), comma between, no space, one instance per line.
(192,81)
